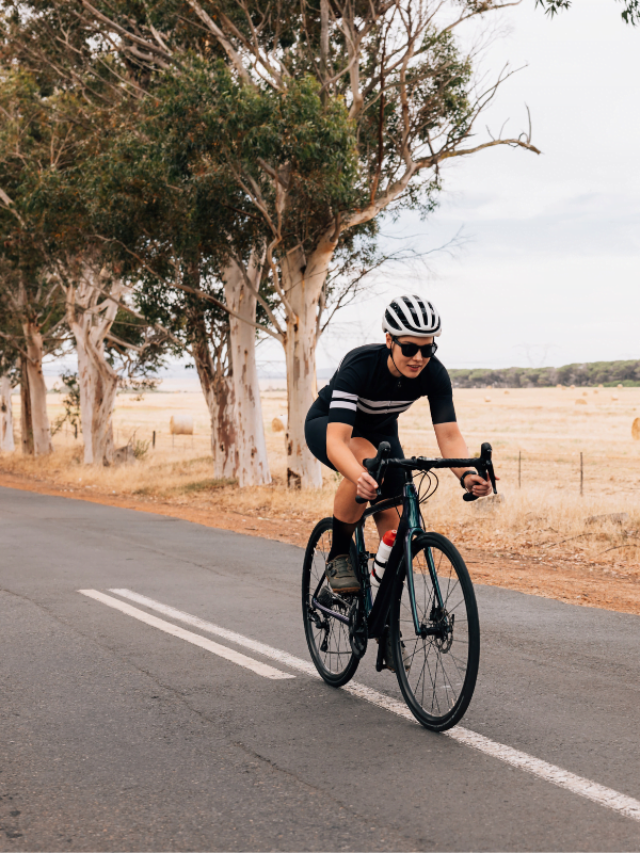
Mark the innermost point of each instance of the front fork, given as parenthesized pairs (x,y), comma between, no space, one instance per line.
(415,527)
(421,631)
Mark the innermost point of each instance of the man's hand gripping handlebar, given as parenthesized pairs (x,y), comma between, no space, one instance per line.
(376,467)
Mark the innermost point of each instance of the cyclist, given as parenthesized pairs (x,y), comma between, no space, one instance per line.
(359,408)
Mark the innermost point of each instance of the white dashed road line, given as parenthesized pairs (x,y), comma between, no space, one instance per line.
(222,651)
(603,796)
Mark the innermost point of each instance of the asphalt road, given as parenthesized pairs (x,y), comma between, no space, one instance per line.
(117,736)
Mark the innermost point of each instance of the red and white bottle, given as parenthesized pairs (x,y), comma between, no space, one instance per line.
(381,558)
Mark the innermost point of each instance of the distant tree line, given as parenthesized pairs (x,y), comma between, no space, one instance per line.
(594,373)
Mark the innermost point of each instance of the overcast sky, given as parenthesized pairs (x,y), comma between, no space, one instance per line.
(549,272)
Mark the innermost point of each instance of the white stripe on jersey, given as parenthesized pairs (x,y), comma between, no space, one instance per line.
(344,395)
(392,409)
(342,404)
(375,403)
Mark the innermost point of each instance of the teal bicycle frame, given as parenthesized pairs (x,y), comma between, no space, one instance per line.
(410,525)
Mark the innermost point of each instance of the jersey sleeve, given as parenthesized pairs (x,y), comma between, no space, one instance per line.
(343,405)
(440,396)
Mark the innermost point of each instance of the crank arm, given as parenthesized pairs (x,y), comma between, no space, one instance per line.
(329,612)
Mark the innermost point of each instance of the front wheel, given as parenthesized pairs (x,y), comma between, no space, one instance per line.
(437,670)
(327,637)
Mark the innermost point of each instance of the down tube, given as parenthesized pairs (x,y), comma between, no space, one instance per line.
(360,548)
(408,550)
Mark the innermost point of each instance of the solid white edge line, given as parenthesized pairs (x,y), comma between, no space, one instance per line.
(603,796)
(222,651)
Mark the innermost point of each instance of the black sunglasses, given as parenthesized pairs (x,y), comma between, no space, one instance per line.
(409,350)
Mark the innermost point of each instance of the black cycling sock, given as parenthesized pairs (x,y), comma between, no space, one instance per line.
(342,533)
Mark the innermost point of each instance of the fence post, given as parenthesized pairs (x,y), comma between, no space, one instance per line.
(519,469)
(153,439)
(581,474)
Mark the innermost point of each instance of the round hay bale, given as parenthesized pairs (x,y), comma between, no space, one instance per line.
(561,387)
(620,386)
(506,392)
(595,390)
(584,393)
(572,387)
(181,425)
(635,429)
(581,401)
(277,425)
(614,397)
(600,386)
(487,399)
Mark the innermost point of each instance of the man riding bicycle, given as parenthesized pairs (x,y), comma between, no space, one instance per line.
(359,409)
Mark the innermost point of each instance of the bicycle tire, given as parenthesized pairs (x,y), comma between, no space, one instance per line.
(442,659)
(337,663)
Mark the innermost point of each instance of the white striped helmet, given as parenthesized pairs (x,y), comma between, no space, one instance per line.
(412,315)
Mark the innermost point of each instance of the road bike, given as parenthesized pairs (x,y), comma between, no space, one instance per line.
(425,604)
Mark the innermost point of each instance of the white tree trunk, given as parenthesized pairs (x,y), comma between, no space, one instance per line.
(250,452)
(6,416)
(302,286)
(90,316)
(37,391)
(218,394)
(98,384)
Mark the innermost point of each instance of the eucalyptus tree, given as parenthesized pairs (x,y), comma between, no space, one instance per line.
(30,297)
(59,277)
(169,227)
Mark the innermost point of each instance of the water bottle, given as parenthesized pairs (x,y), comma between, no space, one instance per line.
(380,560)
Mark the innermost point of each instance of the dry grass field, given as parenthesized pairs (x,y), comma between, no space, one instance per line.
(541,537)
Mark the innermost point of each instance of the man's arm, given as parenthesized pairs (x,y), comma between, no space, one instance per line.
(452,445)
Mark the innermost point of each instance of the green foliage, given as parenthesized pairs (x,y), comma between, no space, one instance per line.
(218,134)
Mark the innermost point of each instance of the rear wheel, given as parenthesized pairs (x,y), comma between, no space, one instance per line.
(437,671)
(327,637)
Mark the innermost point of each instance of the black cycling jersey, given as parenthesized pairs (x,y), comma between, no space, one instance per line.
(364,393)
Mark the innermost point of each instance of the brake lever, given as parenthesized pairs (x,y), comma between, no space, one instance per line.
(485,468)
